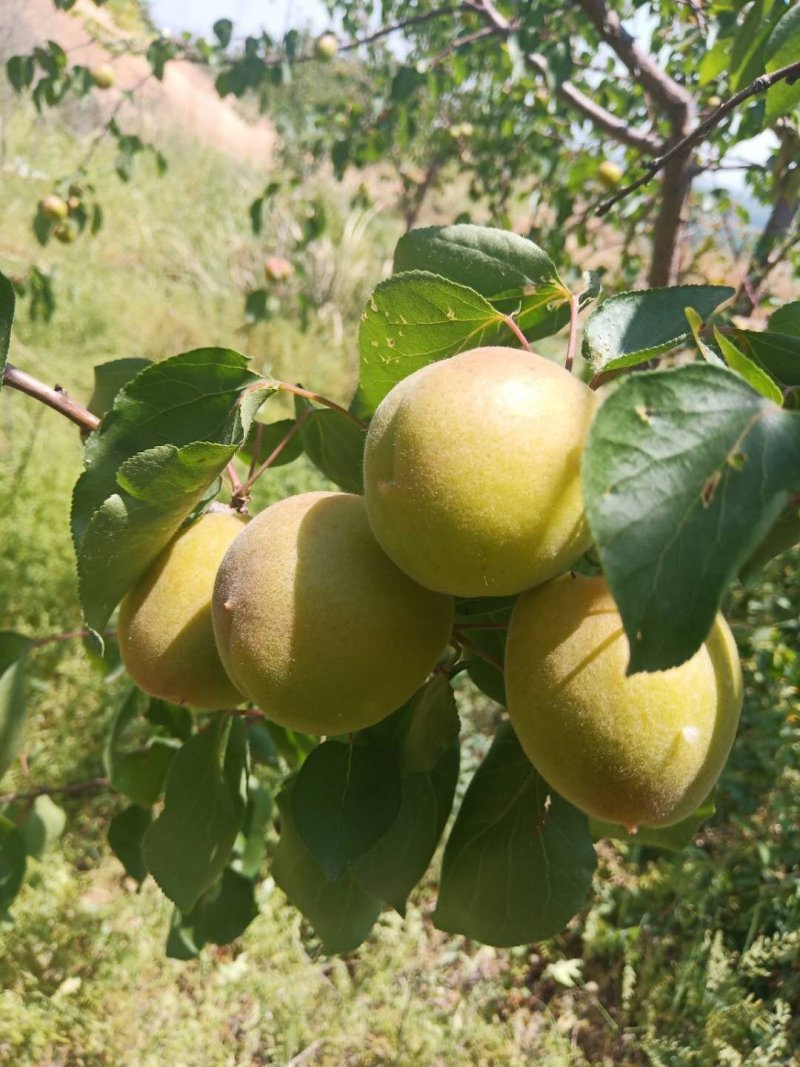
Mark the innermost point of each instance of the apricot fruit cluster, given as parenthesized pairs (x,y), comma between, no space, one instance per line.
(329,610)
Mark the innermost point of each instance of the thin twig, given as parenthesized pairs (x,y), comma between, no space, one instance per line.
(125,96)
(317,398)
(54,398)
(476,650)
(243,492)
(236,484)
(789,73)
(256,448)
(520,336)
(70,635)
(573,331)
(94,785)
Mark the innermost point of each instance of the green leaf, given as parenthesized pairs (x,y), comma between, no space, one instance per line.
(191,841)
(136,759)
(485,675)
(634,327)
(749,45)
(684,473)
(750,371)
(777,353)
(109,378)
(432,725)
(706,351)
(519,860)
(673,838)
(412,320)
(499,265)
(221,915)
(335,445)
(272,433)
(12,863)
(7,300)
(13,650)
(399,858)
(782,49)
(169,435)
(785,534)
(44,824)
(786,319)
(341,912)
(125,836)
(344,797)
(251,845)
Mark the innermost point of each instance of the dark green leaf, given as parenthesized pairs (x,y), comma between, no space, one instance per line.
(786,319)
(125,836)
(43,825)
(634,327)
(252,843)
(272,433)
(750,371)
(221,915)
(519,860)
(109,378)
(335,445)
(673,838)
(495,263)
(137,760)
(432,725)
(12,863)
(223,31)
(20,71)
(684,473)
(412,320)
(777,353)
(785,534)
(13,649)
(7,300)
(488,678)
(340,911)
(397,861)
(191,841)
(344,797)
(169,435)
(782,49)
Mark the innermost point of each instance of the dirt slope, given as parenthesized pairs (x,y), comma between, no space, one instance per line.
(185,100)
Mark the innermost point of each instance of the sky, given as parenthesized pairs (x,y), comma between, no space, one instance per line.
(275,16)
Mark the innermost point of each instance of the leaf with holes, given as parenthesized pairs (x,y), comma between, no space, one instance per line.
(519,860)
(684,473)
(414,319)
(631,328)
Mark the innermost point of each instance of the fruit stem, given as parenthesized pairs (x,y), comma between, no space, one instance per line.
(476,650)
(242,493)
(318,399)
(236,485)
(56,398)
(573,331)
(512,325)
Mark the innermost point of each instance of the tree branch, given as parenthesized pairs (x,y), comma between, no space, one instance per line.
(95,785)
(54,398)
(646,143)
(790,73)
(674,98)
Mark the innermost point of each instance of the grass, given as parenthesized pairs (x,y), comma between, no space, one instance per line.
(677,960)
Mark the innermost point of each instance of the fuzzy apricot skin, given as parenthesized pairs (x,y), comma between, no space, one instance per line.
(640,750)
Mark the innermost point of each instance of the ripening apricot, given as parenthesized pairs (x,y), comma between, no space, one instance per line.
(472,472)
(316,625)
(644,749)
(165,631)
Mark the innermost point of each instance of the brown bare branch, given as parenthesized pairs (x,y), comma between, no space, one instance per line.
(700,132)
(55,398)
(94,785)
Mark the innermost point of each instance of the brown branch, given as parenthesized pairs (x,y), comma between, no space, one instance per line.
(94,785)
(674,98)
(520,336)
(55,398)
(476,650)
(685,144)
(297,390)
(70,635)
(574,305)
(646,143)
(243,492)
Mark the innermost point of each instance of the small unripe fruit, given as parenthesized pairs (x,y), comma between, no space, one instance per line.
(165,631)
(53,207)
(326,46)
(66,232)
(316,625)
(103,76)
(73,204)
(714,101)
(472,472)
(641,750)
(610,173)
(278,269)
